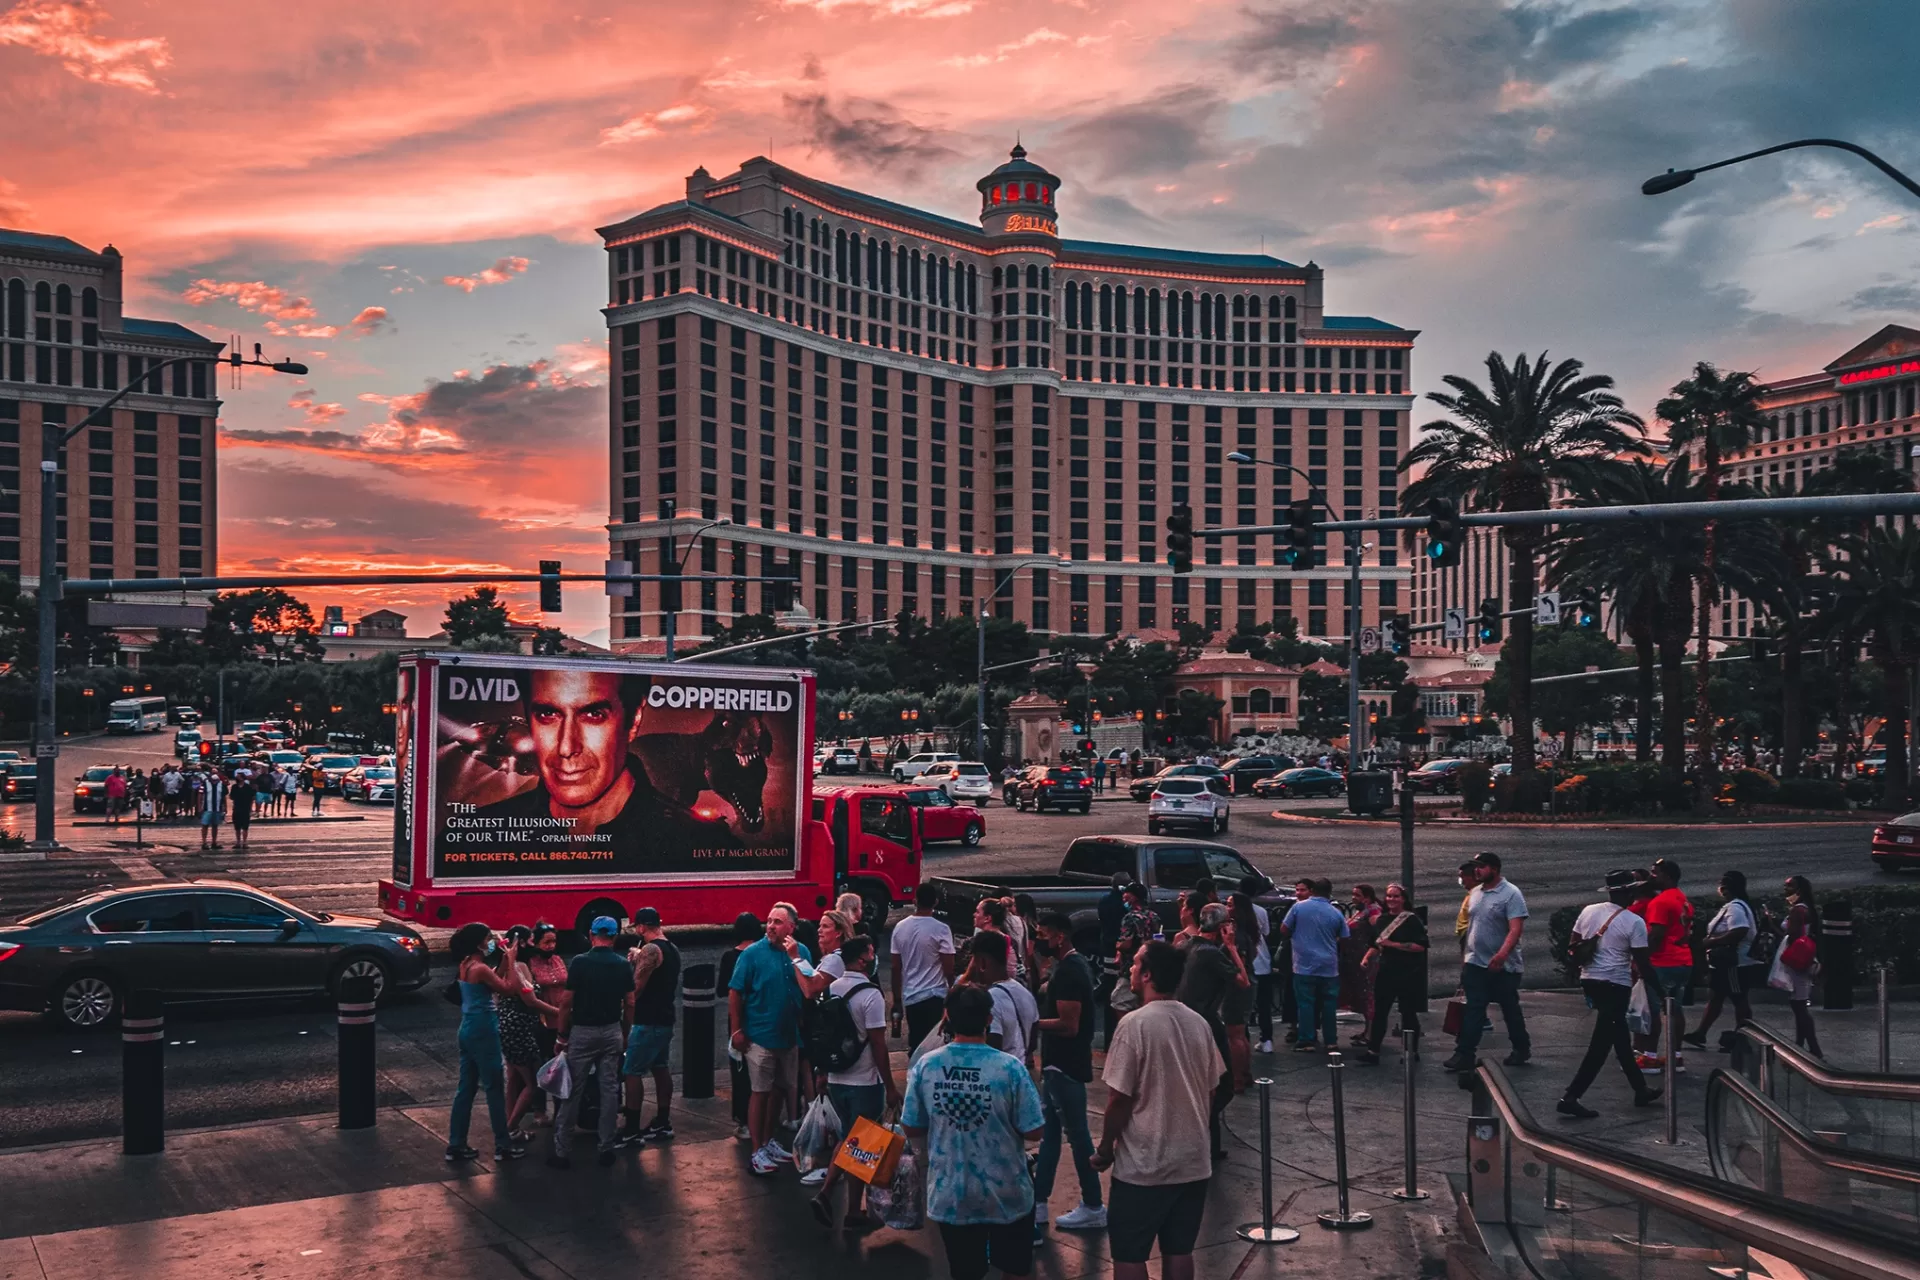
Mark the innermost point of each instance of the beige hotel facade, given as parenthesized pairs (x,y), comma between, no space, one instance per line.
(904,411)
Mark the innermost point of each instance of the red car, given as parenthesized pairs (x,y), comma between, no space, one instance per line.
(941,818)
(1896,844)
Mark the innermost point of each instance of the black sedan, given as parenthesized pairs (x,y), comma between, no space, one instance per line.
(194,940)
(1243,773)
(1436,776)
(1142,789)
(1293,783)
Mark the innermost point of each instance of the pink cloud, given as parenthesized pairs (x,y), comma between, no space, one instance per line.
(63,29)
(369,321)
(251,295)
(317,414)
(503,270)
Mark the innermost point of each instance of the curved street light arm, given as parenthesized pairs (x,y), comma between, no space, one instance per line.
(1673,178)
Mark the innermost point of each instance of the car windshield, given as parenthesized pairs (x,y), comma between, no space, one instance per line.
(973,770)
(22,770)
(1064,775)
(1182,787)
(380,775)
(99,773)
(286,757)
(339,762)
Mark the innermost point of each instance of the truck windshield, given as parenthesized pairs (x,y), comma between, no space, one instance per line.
(886,818)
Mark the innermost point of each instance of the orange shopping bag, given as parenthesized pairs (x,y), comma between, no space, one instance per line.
(870,1152)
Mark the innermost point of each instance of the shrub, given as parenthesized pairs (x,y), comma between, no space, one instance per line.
(1623,788)
(1476,786)
(1752,786)
(1530,790)
(1812,793)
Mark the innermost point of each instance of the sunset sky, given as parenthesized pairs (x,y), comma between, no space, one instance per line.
(403,195)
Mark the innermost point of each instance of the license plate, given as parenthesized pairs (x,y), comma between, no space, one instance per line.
(1903,839)
(1179,804)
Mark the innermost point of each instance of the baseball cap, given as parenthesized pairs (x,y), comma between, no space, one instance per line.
(1488,859)
(606,926)
(647,916)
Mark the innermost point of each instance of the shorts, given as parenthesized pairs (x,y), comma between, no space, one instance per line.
(857,1101)
(646,1049)
(1008,1245)
(770,1069)
(209,819)
(1138,1215)
(1673,981)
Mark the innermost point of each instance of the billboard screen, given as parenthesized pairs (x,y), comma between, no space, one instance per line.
(559,769)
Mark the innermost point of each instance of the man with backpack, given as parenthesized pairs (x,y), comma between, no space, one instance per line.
(656,978)
(847,1035)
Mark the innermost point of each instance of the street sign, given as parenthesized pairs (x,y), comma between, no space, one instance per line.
(46,751)
(1550,749)
(1369,639)
(1546,608)
(1456,624)
(616,570)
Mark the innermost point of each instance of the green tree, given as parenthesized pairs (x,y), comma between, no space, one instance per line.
(1323,705)
(1568,707)
(1720,412)
(1876,597)
(241,624)
(1505,448)
(479,613)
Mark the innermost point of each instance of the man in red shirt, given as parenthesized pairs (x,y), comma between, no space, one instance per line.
(1669,917)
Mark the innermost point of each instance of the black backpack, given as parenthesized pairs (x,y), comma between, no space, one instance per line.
(832,1041)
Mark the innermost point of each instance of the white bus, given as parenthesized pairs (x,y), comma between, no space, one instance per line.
(136,715)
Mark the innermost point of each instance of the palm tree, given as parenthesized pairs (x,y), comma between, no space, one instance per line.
(1533,428)
(1721,413)
(1876,597)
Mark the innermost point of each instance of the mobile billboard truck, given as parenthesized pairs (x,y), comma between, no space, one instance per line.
(540,788)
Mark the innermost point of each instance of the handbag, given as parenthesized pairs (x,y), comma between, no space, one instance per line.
(871,1152)
(1798,955)
(1455,1020)
(1582,952)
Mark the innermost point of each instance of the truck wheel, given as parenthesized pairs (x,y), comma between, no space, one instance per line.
(971,837)
(874,905)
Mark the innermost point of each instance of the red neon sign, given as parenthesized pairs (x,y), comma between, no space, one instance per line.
(1878,372)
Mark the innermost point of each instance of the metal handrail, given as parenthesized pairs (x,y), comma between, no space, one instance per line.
(1853,1084)
(1794,1233)
(1891,1169)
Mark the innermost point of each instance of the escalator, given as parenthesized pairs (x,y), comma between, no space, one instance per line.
(1861,1111)
(1787,1206)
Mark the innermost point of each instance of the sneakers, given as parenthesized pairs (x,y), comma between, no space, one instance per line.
(764,1164)
(1039,1222)
(1575,1109)
(1697,1039)
(1654,1062)
(1457,1064)
(778,1152)
(813,1177)
(742,1134)
(630,1138)
(515,1152)
(1084,1217)
(658,1131)
(1646,1098)
(1307,1046)
(456,1155)
(1517,1059)
(1266,1046)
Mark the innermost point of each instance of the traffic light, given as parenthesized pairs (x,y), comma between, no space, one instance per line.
(1445,533)
(206,749)
(1393,636)
(1490,621)
(1585,612)
(670,589)
(549,586)
(1180,539)
(1299,534)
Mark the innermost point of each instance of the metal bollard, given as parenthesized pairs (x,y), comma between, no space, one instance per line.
(1410,1181)
(696,1049)
(1264,1231)
(1886,1021)
(143,1097)
(357,1089)
(1670,1098)
(1341,1219)
(1836,954)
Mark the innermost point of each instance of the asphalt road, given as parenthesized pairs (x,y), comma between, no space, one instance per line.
(258,1060)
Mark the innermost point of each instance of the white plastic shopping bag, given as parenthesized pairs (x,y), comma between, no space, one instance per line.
(555,1078)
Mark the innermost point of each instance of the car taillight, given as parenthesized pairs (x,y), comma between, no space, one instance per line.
(7,949)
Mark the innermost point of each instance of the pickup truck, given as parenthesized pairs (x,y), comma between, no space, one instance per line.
(1168,866)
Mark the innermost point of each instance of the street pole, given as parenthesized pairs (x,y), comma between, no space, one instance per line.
(980,663)
(1355,552)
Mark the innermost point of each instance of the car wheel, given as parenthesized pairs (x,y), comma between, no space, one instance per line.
(1224,819)
(86,1001)
(1153,826)
(1339,788)
(361,967)
(971,837)
(1086,808)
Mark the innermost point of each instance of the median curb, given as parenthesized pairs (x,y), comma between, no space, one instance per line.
(1283,816)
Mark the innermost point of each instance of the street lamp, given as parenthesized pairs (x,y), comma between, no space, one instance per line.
(1355,553)
(1672,179)
(53,438)
(671,616)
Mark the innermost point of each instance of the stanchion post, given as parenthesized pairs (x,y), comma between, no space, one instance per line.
(1886,1020)
(696,1017)
(1341,1219)
(143,1051)
(1264,1231)
(357,1029)
(1410,1181)
(1670,1099)
(1836,954)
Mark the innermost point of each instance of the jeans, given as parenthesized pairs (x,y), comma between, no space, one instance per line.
(922,1017)
(598,1049)
(1609,1000)
(1263,1003)
(1063,1104)
(480,1068)
(1318,1000)
(1385,996)
(1485,987)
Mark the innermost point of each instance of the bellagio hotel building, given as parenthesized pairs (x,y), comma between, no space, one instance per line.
(902,411)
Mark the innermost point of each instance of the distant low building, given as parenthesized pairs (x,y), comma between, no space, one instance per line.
(1255,696)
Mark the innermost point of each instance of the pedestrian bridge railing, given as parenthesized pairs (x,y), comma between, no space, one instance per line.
(1567,1208)
(1866,1111)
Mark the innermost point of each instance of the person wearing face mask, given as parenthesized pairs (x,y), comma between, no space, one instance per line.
(1066,1069)
(475,951)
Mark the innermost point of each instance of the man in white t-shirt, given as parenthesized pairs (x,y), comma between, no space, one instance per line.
(1617,940)
(1014,1008)
(1161,1070)
(922,950)
(865,1089)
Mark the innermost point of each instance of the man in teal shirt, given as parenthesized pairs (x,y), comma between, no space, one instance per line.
(763,1008)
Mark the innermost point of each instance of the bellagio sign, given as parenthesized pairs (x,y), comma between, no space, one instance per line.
(1027,222)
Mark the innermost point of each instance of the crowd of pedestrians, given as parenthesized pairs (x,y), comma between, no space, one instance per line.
(211,797)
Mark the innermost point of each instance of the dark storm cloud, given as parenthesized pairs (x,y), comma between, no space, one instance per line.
(1887,297)
(1571,41)
(1162,135)
(867,134)
(1285,41)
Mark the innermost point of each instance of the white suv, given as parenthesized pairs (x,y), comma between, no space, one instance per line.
(1186,802)
(961,780)
(914,766)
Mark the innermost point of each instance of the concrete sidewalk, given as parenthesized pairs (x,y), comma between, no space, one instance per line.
(299,1198)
